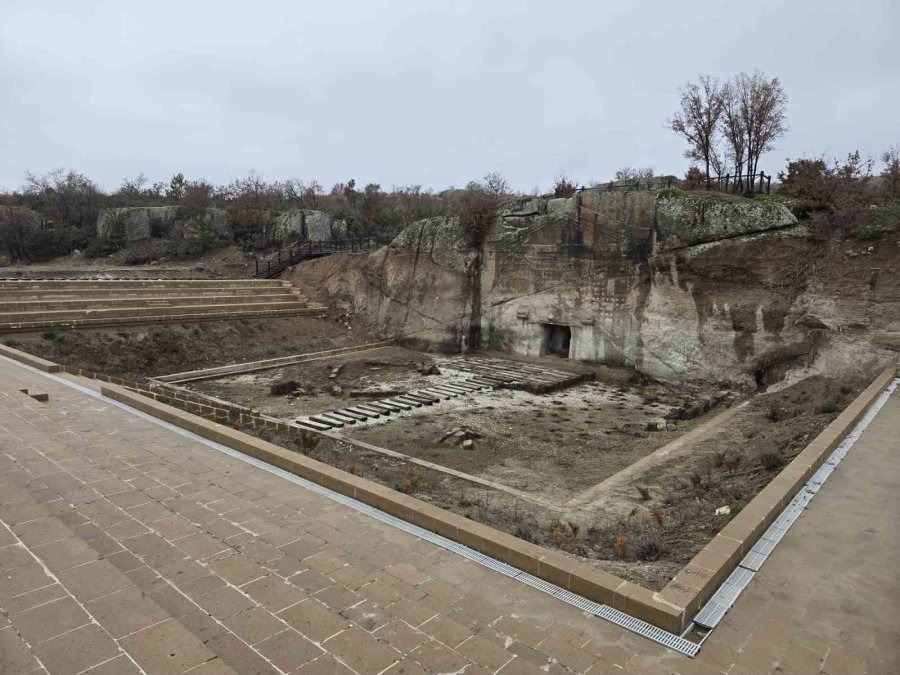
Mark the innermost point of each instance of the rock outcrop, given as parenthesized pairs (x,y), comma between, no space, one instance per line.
(308,225)
(679,286)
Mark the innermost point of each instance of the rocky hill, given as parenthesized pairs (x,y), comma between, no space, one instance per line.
(681,286)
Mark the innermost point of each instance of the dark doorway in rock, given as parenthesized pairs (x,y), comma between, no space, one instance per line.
(557,339)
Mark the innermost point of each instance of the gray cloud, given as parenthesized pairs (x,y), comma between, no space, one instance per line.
(419,92)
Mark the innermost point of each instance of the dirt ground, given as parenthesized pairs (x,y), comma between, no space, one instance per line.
(383,372)
(137,352)
(550,445)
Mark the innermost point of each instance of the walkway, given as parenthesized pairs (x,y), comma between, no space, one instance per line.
(128,548)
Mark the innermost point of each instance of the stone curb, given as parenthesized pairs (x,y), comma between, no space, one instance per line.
(33,361)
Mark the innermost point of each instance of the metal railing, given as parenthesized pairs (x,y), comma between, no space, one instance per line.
(300,251)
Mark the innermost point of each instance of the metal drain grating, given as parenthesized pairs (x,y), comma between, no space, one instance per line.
(718,605)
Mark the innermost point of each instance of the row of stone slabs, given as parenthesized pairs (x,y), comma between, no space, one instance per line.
(362,412)
(489,373)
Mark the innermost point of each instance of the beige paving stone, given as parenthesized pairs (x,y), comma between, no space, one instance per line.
(401,636)
(197,587)
(313,620)
(49,620)
(484,652)
(239,656)
(125,612)
(214,667)
(288,650)
(433,656)
(567,654)
(76,650)
(165,648)
(361,651)
(337,597)
(65,553)
(414,613)
(324,665)
(273,593)
(254,624)
(225,602)
(41,531)
(446,630)
(237,569)
(21,510)
(15,657)
(120,665)
(33,598)
(200,546)
(93,580)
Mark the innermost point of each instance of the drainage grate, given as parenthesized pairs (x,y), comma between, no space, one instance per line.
(722,600)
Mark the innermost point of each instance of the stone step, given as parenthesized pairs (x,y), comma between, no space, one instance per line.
(114,302)
(59,284)
(344,412)
(65,315)
(366,414)
(315,426)
(159,318)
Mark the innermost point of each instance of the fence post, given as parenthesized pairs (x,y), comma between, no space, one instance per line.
(769,184)
(257,267)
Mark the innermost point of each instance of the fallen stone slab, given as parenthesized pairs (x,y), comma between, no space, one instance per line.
(333,423)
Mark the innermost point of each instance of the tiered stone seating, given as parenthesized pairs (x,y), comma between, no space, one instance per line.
(33,305)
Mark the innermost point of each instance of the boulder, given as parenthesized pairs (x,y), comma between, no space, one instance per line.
(137,223)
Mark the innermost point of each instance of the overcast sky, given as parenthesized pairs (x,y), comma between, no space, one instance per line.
(421,92)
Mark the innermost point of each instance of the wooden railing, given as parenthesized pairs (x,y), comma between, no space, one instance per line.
(740,183)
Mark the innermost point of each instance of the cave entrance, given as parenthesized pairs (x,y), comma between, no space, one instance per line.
(557,339)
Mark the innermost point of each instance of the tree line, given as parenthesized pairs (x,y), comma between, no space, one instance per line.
(68,206)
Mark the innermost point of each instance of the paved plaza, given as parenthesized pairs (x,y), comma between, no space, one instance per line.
(129,548)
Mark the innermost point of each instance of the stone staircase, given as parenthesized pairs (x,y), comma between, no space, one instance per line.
(35,305)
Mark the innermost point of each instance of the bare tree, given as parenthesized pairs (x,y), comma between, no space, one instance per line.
(634,173)
(702,105)
(755,112)
(732,126)
(67,197)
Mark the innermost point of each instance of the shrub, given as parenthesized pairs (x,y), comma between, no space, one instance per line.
(694,179)
(648,550)
(772,460)
(527,530)
(307,440)
(775,411)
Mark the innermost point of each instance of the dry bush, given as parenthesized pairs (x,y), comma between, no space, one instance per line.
(307,440)
(772,460)
(621,546)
